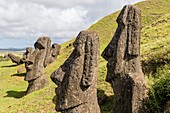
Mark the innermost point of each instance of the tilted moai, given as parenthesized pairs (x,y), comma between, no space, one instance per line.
(124,71)
(18,60)
(77,77)
(35,64)
(15,59)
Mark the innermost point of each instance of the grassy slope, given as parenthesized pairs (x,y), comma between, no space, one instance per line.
(155,55)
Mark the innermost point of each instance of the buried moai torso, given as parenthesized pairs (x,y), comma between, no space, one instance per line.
(76,78)
(124,69)
(35,64)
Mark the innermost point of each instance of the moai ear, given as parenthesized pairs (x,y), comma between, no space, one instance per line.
(90,61)
(133,19)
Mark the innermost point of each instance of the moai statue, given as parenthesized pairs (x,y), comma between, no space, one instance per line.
(54,52)
(28,52)
(124,71)
(18,60)
(15,59)
(77,77)
(35,64)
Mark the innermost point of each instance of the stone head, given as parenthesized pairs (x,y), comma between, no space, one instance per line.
(29,50)
(55,49)
(35,63)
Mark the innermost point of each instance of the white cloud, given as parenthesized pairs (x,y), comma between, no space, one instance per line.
(30,19)
(63,3)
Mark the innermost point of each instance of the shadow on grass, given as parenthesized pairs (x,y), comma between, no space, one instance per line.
(15,94)
(19,74)
(14,65)
(105,102)
(54,100)
(151,66)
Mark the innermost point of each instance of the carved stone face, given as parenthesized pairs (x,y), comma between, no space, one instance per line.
(29,50)
(123,68)
(35,62)
(79,43)
(55,50)
(76,78)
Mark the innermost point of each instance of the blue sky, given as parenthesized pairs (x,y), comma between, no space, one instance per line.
(23,21)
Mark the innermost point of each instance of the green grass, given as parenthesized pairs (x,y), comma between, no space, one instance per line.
(159,94)
(12,90)
(155,59)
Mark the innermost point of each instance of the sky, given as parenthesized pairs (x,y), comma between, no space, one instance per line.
(23,21)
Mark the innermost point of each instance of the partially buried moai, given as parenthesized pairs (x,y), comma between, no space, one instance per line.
(18,60)
(35,63)
(124,71)
(54,52)
(28,52)
(77,77)
(15,59)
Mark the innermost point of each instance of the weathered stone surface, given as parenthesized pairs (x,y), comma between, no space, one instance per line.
(76,78)
(28,52)
(18,60)
(124,70)
(15,59)
(54,52)
(35,64)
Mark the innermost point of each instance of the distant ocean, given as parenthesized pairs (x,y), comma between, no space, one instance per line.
(12,49)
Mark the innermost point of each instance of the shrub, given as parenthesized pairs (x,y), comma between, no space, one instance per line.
(159,93)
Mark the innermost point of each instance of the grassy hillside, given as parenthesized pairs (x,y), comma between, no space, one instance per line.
(155,58)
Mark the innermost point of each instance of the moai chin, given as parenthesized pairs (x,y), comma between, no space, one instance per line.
(124,71)
(77,77)
(35,64)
